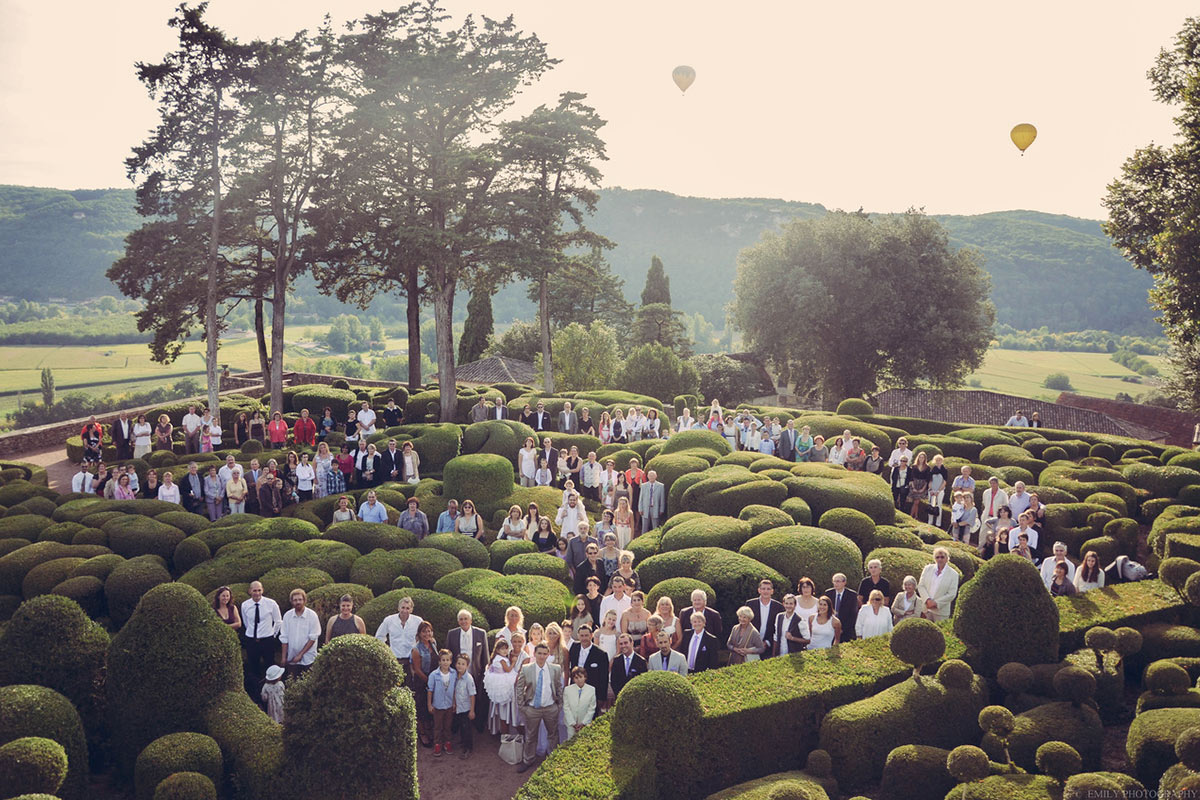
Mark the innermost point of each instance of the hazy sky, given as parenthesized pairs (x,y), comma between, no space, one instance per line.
(871,104)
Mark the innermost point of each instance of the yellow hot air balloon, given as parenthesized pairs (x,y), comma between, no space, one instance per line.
(683,76)
(1023,136)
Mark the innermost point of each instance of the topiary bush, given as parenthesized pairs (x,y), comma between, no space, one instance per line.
(733,576)
(855,407)
(45,576)
(825,486)
(724,532)
(35,711)
(913,765)
(133,535)
(543,599)
(537,564)
(359,673)
(1150,743)
(1004,614)
(853,524)
(367,536)
(485,478)
(680,591)
(441,610)
(424,565)
(1058,760)
(279,582)
(651,718)
(501,550)
(16,565)
(242,562)
(467,549)
(450,584)
(799,551)
(764,518)
(176,752)
(185,786)
(32,765)
(798,510)
(130,580)
(917,642)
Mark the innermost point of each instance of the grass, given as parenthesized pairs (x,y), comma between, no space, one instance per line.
(1021,372)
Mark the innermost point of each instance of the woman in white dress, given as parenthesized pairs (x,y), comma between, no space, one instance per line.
(527,462)
(323,464)
(825,627)
(607,633)
(670,623)
(514,525)
(623,523)
(142,431)
(806,601)
(907,603)
(753,438)
(873,619)
(837,453)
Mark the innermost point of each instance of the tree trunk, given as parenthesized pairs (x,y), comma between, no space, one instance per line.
(260,334)
(277,319)
(412,289)
(443,315)
(544,318)
(210,302)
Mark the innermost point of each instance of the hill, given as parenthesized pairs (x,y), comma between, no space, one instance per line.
(1046,269)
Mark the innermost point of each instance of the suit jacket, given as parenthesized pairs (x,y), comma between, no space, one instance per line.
(706,655)
(847,613)
(375,466)
(945,591)
(618,677)
(479,651)
(498,412)
(776,609)
(568,422)
(787,444)
(388,462)
(712,622)
(579,708)
(121,437)
(527,683)
(596,666)
(660,500)
(479,413)
(186,497)
(541,420)
(675,663)
(551,460)
(584,570)
(797,627)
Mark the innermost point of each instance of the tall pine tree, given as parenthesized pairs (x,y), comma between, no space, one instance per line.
(658,285)
(477,331)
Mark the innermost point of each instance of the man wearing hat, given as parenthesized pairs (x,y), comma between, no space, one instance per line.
(414,519)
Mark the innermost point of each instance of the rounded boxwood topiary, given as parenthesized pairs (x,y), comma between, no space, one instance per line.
(185,521)
(326,600)
(185,786)
(450,584)
(279,582)
(680,591)
(501,550)
(1015,677)
(1105,451)
(1075,685)
(252,447)
(36,711)
(855,407)
(85,590)
(484,478)
(367,536)
(172,640)
(176,752)
(799,551)
(917,642)
(98,566)
(851,523)
(1058,760)
(424,565)
(764,518)
(32,764)
(245,561)
(724,532)
(537,564)
(670,466)
(467,549)
(62,532)
(23,526)
(1005,614)
(825,486)
(1165,677)
(968,764)
(955,674)
(138,536)
(16,565)
(43,506)
(653,715)
(127,583)
(798,510)
(45,576)
(733,576)
(440,610)
(1054,453)
(542,599)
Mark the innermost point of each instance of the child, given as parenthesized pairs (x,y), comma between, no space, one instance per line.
(499,683)
(272,693)
(607,633)
(579,702)
(214,433)
(543,476)
(206,440)
(956,514)
(968,520)
(464,703)
(441,702)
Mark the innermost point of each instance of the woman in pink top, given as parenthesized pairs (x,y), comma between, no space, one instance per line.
(277,431)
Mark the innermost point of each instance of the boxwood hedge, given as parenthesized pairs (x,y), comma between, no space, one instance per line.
(709,531)
(467,549)
(367,536)
(33,765)
(501,550)
(799,551)
(16,565)
(424,565)
(176,752)
(537,564)
(39,711)
(1004,614)
(543,599)
(734,576)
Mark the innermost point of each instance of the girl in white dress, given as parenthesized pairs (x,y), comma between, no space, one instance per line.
(825,627)
(606,635)
(323,464)
(499,681)
(527,462)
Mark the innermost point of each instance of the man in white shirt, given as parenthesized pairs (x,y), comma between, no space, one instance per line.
(790,623)
(1017,420)
(1018,501)
(964,482)
(225,473)
(589,476)
(83,482)
(191,430)
(399,631)
(938,586)
(1025,526)
(900,452)
(618,601)
(1059,557)
(298,633)
(570,515)
(261,620)
(994,499)
(366,419)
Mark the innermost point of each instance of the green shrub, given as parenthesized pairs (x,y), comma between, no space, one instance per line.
(98,566)
(40,712)
(537,564)
(825,486)
(1167,640)
(16,565)
(251,742)
(356,672)
(242,562)
(367,536)
(733,576)
(498,437)
(43,506)
(279,582)
(1142,604)
(326,600)
(1118,505)
(1058,760)
(1078,726)
(127,583)
(653,715)
(176,752)
(23,526)
(1159,481)
(948,446)
(764,518)
(1073,524)
(1081,481)
(315,397)
(501,550)
(854,407)
(87,591)
(1150,743)
(185,521)
(424,565)
(172,640)
(680,591)
(16,492)
(138,536)
(185,786)
(853,524)
(543,599)
(725,491)
(45,576)
(672,465)
(724,532)
(1165,677)
(1004,616)
(485,478)
(467,549)
(191,552)
(32,765)
(75,510)
(799,551)
(1003,455)
(913,765)
(440,610)
(451,583)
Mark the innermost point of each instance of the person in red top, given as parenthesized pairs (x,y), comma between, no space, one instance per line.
(305,430)
(277,431)
(635,478)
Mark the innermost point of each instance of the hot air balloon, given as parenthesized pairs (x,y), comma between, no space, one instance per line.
(683,77)
(1023,136)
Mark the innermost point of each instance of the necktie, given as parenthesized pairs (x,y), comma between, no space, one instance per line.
(837,606)
(992,505)
(537,696)
(650,504)
(666,662)
(627,660)
(693,650)
(256,620)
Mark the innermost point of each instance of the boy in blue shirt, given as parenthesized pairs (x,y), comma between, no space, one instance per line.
(442,686)
(464,703)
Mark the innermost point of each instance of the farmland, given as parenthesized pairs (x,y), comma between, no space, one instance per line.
(1021,372)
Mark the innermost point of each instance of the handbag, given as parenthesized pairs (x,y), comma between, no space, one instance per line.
(512,748)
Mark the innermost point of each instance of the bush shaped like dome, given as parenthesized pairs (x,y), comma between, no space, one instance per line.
(501,550)
(680,591)
(185,521)
(917,642)
(1079,727)
(467,549)
(1164,677)
(724,532)
(51,642)
(497,437)
(367,536)
(279,582)
(825,486)
(176,752)
(968,763)
(955,674)
(671,466)
(655,713)
(424,565)
(450,584)
(23,526)
(1150,743)
(1004,455)
(851,523)
(485,478)
(855,407)
(32,765)
(85,590)
(16,565)
(61,532)
(764,518)
(353,692)
(242,562)
(537,564)
(912,765)
(543,599)
(172,640)
(185,786)
(1058,760)
(734,576)
(40,712)
(45,576)
(441,610)
(127,583)
(799,551)
(135,535)
(1005,614)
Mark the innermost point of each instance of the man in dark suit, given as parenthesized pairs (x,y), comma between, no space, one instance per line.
(392,415)
(766,610)
(845,606)
(467,638)
(191,489)
(699,646)
(712,620)
(541,417)
(122,436)
(594,660)
(787,442)
(391,464)
(499,411)
(252,475)
(549,453)
(626,665)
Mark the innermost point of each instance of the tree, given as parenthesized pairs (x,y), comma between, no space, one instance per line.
(658,323)
(47,387)
(583,290)
(820,297)
(655,370)
(1058,381)
(588,358)
(477,331)
(182,180)
(522,341)
(658,285)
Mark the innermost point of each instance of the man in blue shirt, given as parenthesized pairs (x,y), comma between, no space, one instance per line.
(446,518)
(372,510)
(414,519)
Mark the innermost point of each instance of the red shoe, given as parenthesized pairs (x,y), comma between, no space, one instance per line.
(437,749)
(449,748)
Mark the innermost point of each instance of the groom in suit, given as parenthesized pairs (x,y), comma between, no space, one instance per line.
(787,442)
(539,694)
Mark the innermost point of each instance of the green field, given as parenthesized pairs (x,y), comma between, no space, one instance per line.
(1021,372)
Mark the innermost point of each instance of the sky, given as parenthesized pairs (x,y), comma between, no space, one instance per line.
(883,106)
